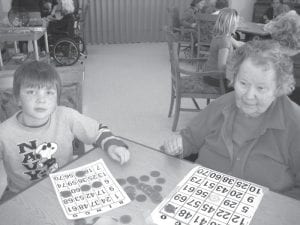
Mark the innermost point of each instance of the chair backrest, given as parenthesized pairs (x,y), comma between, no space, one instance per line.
(173,17)
(296,60)
(205,25)
(177,69)
(171,37)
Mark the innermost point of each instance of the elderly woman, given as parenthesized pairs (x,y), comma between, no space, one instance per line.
(252,132)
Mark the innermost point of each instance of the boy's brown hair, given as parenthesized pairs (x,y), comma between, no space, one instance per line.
(36,74)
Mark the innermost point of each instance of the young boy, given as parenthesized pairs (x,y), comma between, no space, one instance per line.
(38,139)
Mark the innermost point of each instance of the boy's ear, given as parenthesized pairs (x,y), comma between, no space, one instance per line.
(17,101)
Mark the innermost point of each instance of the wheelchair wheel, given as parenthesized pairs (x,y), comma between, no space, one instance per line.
(79,41)
(66,52)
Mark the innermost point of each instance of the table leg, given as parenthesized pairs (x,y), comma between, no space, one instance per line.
(36,50)
(16,47)
(46,42)
(47,46)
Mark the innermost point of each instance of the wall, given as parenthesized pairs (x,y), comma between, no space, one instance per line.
(244,7)
(129,21)
(4,7)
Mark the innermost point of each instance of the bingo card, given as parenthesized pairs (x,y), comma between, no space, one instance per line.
(88,190)
(208,197)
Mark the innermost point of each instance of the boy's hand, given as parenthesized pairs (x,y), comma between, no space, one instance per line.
(118,153)
(174,146)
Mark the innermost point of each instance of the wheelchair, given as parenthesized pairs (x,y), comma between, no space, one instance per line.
(64,40)
(65,47)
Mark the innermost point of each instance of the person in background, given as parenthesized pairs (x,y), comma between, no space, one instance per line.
(253,132)
(210,7)
(222,44)
(48,8)
(286,30)
(188,19)
(63,19)
(37,140)
(277,8)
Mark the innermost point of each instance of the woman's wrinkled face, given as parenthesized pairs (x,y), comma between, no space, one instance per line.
(255,88)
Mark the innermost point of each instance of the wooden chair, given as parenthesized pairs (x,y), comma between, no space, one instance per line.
(71,96)
(205,25)
(295,95)
(296,60)
(186,35)
(188,83)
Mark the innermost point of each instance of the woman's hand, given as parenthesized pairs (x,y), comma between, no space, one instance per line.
(173,146)
(118,153)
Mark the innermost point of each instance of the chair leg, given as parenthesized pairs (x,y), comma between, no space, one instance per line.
(176,116)
(171,102)
(207,101)
(195,103)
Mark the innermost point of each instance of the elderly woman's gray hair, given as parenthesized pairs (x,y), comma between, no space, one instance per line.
(265,53)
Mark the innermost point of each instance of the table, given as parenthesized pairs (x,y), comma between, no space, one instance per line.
(252,30)
(24,34)
(39,205)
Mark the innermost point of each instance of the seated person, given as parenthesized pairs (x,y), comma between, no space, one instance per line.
(43,125)
(48,8)
(209,7)
(251,133)
(222,44)
(62,20)
(286,30)
(188,19)
(276,9)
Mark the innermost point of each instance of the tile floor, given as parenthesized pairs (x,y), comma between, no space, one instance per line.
(127,86)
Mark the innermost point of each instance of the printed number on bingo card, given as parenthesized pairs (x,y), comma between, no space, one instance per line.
(205,196)
(88,190)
